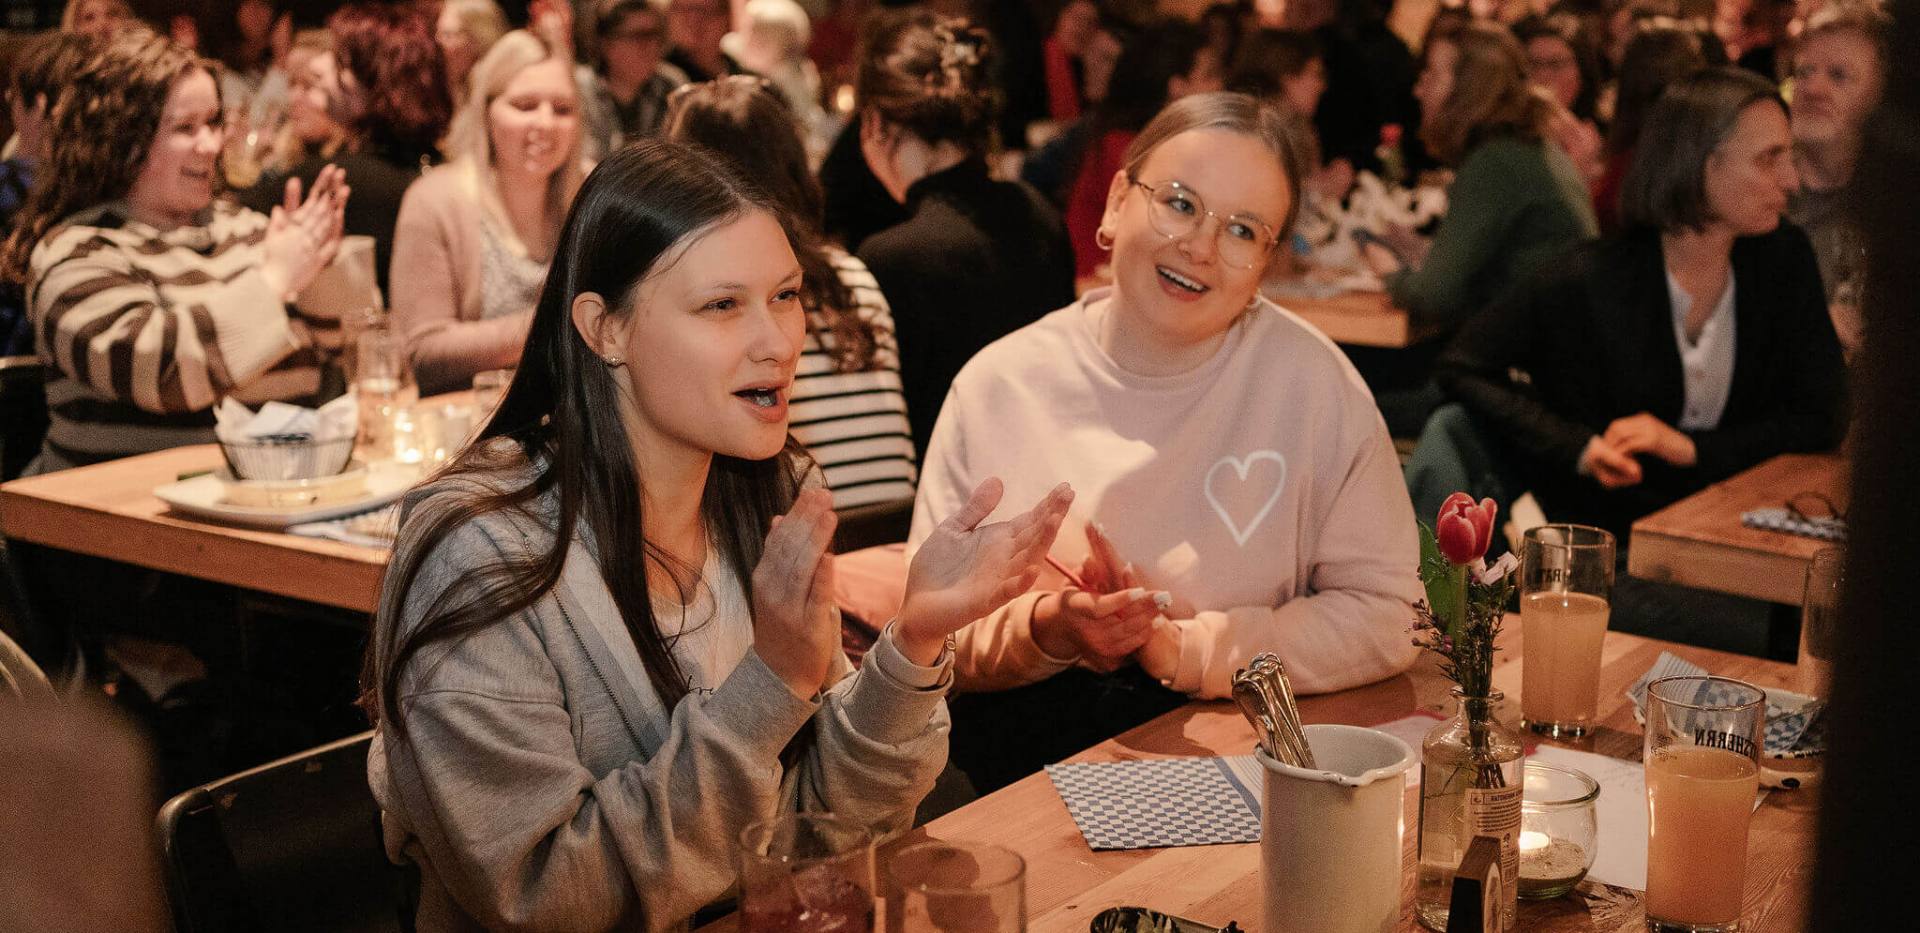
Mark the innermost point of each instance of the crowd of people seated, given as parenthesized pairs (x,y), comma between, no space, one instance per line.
(1006,265)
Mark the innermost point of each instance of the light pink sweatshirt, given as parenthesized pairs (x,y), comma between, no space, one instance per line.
(1260,489)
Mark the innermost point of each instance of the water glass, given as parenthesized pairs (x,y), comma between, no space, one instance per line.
(806,873)
(1702,756)
(383,380)
(1566,582)
(956,887)
(1819,618)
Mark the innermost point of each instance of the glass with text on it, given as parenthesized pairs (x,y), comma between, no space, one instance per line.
(806,873)
(1566,582)
(1702,756)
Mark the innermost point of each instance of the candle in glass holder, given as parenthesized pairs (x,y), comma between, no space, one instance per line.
(1559,830)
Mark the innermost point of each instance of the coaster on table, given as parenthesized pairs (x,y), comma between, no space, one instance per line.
(1790,716)
(1161,803)
(1824,528)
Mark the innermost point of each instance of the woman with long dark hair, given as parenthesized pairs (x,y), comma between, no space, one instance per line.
(593,664)
(849,411)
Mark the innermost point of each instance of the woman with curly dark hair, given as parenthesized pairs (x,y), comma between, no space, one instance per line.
(387,80)
(149,300)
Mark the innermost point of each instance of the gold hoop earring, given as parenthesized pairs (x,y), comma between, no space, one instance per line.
(1103,239)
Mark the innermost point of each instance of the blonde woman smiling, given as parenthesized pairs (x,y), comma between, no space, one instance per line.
(475,236)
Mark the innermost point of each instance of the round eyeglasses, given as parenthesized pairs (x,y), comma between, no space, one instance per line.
(1176,211)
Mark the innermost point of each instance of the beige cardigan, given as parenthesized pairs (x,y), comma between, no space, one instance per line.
(435,284)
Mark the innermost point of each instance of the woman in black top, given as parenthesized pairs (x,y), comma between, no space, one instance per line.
(388,86)
(976,258)
(1691,346)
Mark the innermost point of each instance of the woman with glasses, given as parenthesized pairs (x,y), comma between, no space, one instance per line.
(1689,347)
(976,258)
(629,98)
(1223,452)
(475,235)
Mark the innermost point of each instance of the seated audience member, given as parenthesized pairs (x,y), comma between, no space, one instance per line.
(1690,346)
(1370,76)
(1160,63)
(465,31)
(1655,58)
(1563,62)
(848,409)
(630,89)
(772,43)
(310,129)
(1515,200)
(1075,29)
(695,28)
(593,664)
(1839,70)
(388,86)
(259,37)
(475,236)
(98,19)
(41,73)
(149,300)
(1223,451)
(1286,68)
(977,258)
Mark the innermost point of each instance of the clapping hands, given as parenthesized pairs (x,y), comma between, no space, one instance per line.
(965,570)
(304,235)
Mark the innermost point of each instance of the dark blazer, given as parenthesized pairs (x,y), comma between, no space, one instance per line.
(977,259)
(1591,339)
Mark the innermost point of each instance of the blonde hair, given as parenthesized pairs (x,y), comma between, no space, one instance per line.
(71,14)
(470,145)
(288,148)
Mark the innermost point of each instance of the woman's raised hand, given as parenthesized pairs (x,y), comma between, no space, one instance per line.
(965,569)
(303,235)
(794,630)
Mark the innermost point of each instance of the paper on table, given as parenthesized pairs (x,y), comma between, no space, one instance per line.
(1621,811)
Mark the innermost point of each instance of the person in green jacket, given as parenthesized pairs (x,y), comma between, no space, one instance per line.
(1516,201)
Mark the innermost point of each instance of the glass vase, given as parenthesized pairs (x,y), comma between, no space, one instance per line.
(1470,785)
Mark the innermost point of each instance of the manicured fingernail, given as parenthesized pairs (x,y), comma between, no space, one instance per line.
(1162,600)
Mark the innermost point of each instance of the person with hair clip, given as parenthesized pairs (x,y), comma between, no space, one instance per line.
(1690,346)
(976,258)
(475,236)
(1237,491)
(849,411)
(607,640)
(150,300)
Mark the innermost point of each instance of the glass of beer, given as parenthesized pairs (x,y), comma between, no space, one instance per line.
(1703,767)
(1566,580)
(956,887)
(1819,618)
(806,873)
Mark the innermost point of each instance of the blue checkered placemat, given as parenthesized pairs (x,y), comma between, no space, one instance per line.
(1793,728)
(1824,528)
(1161,803)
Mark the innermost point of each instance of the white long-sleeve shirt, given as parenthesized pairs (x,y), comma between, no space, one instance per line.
(1260,489)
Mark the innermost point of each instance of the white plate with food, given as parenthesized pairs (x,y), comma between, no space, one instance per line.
(219,497)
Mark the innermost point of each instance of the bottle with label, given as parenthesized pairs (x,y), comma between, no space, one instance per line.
(1470,786)
(1393,163)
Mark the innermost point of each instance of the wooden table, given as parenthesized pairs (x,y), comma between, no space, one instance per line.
(109,510)
(1365,319)
(1067,884)
(1700,542)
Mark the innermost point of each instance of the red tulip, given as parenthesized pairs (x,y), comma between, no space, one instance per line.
(1464,530)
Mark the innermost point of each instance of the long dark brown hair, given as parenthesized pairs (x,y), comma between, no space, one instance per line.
(562,415)
(744,120)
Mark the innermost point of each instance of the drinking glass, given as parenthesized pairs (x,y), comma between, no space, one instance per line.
(489,387)
(383,379)
(806,873)
(1819,617)
(956,887)
(1566,580)
(1703,766)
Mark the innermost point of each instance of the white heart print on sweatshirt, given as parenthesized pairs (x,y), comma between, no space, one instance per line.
(1241,491)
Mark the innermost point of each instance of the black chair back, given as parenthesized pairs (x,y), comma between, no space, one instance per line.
(23,412)
(292,846)
(863,526)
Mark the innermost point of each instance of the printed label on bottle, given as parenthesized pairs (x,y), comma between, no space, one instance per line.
(1495,811)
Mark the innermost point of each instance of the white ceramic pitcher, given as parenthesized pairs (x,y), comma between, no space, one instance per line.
(1330,840)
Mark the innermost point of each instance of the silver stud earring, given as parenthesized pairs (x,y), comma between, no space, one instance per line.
(615,361)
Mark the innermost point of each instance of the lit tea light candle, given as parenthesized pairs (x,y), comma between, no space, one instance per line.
(1531,841)
(1547,863)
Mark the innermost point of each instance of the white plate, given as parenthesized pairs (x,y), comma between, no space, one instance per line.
(204,496)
